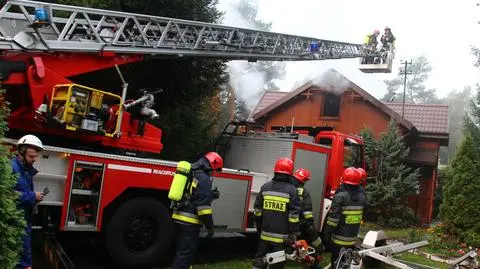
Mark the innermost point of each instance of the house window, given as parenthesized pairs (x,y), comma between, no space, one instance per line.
(331,105)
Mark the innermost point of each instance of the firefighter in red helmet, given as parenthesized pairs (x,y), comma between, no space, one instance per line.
(346,212)
(363,176)
(277,209)
(307,225)
(197,212)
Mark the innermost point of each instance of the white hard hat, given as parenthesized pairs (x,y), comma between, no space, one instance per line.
(30,140)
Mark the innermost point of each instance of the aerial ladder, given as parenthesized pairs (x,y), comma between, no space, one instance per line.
(45,44)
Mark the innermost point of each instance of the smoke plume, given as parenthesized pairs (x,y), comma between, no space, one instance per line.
(331,81)
(247,82)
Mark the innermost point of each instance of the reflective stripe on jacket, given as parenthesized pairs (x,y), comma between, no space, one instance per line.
(345,217)
(278,207)
(198,209)
(306,204)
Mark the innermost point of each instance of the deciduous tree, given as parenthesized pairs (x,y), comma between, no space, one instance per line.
(190,83)
(416,91)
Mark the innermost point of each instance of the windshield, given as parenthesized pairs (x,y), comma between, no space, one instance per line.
(352,154)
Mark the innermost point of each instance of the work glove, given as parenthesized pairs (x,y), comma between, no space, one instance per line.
(319,249)
(215,193)
(210,233)
(291,239)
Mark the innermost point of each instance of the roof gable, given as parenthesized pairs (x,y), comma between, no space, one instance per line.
(272,105)
(426,118)
(281,100)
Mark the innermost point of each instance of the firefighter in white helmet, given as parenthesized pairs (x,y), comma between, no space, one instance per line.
(28,149)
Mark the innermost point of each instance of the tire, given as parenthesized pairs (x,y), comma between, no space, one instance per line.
(139,232)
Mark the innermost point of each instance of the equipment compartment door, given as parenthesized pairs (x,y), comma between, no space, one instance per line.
(86,185)
(230,210)
(316,162)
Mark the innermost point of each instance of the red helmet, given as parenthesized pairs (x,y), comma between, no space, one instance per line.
(216,161)
(302,175)
(363,173)
(284,166)
(351,176)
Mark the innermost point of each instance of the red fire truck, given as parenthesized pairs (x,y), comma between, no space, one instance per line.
(95,165)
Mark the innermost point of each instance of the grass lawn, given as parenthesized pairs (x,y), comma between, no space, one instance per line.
(421,260)
(401,233)
(398,234)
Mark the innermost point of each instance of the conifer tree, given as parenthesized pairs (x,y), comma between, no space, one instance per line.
(370,149)
(392,181)
(12,223)
(461,195)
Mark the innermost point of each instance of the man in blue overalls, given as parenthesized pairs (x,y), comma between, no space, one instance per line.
(28,147)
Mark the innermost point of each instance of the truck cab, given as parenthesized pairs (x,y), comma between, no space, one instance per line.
(346,151)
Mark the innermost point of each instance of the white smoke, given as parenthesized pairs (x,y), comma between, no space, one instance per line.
(331,81)
(247,83)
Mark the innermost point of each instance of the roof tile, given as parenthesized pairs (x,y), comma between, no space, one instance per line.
(268,98)
(426,117)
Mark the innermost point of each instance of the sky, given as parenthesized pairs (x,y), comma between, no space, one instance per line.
(443,31)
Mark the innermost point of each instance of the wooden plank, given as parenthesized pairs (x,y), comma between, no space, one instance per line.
(388,260)
(380,249)
(407,247)
(470,254)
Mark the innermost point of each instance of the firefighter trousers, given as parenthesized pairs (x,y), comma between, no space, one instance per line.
(26,255)
(262,250)
(188,237)
(308,232)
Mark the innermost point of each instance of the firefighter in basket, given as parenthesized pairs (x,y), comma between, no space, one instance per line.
(277,209)
(346,213)
(307,226)
(370,45)
(191,194)
(387,39)
(388,44)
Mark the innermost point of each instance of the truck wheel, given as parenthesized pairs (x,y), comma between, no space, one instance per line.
(139,232)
